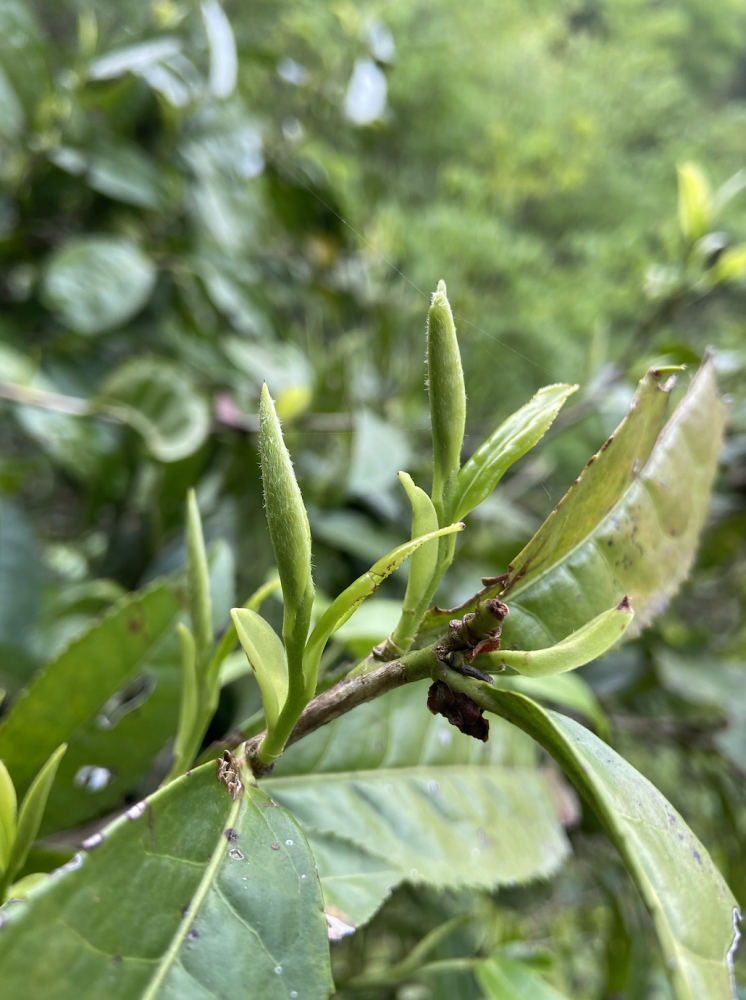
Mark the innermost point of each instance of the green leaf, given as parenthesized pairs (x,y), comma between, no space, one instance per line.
(693,910)
(386,792)
(507,979)
(23,62)
(266,655)
(579,648)
(513,438)
(229,638)
(113,696)
(445,386)
(223,57)
(695,202)
(422,567)
(162,404)
(122,171)
(730,265)
(184,748)
(168,904)
(345,604)
(96,283)
(7,817)
(20,581)
(630,523)
(198,584)
(566,690)
(31,812)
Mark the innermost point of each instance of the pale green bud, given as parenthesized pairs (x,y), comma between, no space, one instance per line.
(447,400)
(286,513)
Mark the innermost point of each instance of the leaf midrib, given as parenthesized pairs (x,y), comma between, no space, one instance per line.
(195,902)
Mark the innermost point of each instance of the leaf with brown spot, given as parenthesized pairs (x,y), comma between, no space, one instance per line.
(629,525)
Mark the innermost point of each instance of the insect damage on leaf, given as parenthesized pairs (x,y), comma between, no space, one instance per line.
(227,772)
(460,710)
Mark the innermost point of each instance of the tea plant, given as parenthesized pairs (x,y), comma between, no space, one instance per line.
(230,879)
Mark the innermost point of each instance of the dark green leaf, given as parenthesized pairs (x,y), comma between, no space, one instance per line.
(113,696)
(693,910)
(190,894)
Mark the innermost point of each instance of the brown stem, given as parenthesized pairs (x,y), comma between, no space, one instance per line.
(342,698)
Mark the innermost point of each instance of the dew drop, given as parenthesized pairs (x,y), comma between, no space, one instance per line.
(278,970)
(444,737)
(92,778)
(289,843)
(93,841)
(293,993)
(244,879)
(433,787)
(136,811)
(235,855)
(304,876)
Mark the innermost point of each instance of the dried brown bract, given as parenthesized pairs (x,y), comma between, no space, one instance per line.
(460,710)
(227,772)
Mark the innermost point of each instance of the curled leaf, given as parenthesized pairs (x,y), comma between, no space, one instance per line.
(579,648)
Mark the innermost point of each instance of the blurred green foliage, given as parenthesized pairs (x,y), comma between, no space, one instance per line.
(177,227)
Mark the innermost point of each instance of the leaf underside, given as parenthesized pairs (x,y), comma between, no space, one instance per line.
(384,793)
(629,525)
(170,907)
(693,910)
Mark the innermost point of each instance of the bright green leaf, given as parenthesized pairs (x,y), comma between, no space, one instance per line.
(189,894)
(198,584)
(579,648)
(507,979)
(628,526)
(162,404)
(184,748)
(31,812)
(96,283)
(730,265)
(513,438)
(7,817)
(695,202)
(266,655)
(422,568)
(345,604)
